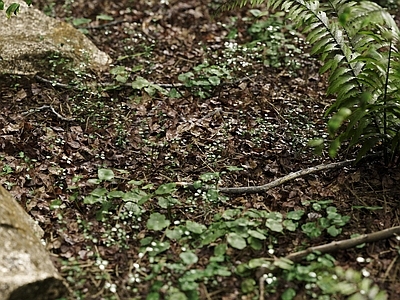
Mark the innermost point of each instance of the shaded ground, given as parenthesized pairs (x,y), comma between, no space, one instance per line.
(259,117)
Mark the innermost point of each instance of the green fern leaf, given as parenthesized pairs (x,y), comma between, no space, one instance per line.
(317,35)
(340,83)
(338,73)
(319,47)
(347,91)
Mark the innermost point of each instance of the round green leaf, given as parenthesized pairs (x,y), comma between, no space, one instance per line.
(257,234)
(195,227)
(274,225)
(236,241)
(290,225)
(254,243)
(116,194)
(333,231)
(167,188)
(89,199)
(140,83)
(189,257)
(295,215)
(220,249)
(157,221)
(288,294)
(174,234)
(311,229)
(105,174)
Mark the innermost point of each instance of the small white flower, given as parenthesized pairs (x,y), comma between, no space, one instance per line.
(360,259)
(365,273)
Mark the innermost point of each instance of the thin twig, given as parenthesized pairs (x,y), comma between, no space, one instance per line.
(390,268)
(49,107)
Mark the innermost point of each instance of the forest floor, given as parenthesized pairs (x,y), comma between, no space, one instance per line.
(256,99)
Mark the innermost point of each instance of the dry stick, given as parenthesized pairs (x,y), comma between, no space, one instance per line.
(275,183)
(339,245)
(261,283)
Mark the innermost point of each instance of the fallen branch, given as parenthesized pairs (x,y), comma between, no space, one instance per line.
(346,244)
(338,245)
(275,183)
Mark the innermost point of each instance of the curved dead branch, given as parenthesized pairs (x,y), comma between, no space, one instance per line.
(275,183)
(346,244)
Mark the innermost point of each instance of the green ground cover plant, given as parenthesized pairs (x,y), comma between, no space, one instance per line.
(236,228)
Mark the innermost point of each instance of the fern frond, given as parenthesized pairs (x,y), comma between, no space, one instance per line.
(367,13)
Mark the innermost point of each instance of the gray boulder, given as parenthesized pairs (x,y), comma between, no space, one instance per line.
(32,43)
(26,270)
